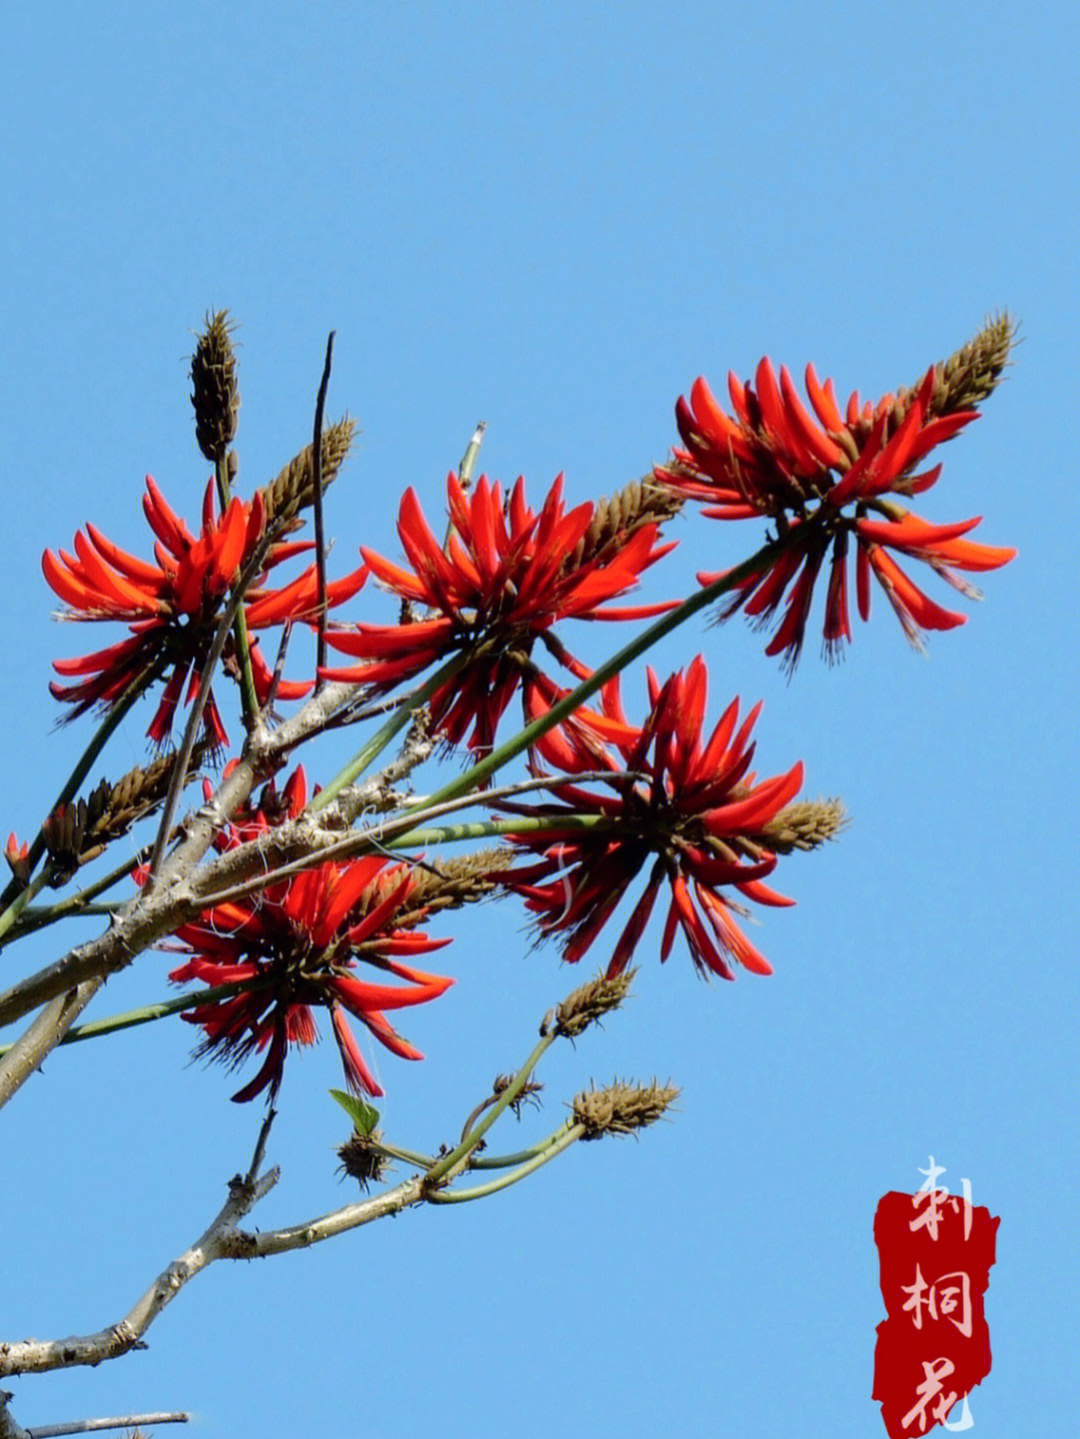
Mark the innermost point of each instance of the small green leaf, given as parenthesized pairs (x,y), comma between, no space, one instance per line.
(363,1116)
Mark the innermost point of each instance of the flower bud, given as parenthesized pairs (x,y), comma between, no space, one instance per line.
(214,394)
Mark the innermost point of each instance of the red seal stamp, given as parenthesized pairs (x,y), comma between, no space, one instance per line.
(936,1251)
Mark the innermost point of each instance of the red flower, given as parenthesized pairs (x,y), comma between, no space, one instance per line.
(692,806)
(298,943)
(775,459)
(172,606)
(505,576)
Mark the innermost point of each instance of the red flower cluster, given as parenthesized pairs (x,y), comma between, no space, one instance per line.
(505,576)
(296,944)
(171,607)
(691,804)
(773,458)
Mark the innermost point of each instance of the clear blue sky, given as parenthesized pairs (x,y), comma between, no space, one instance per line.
(552,218)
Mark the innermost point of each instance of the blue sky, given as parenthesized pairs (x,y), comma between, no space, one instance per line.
(553,218)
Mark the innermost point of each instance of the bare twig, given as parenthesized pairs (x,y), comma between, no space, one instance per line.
(94,1426)
(33,1356)
(320,536)
(260,1147)
(223,1239)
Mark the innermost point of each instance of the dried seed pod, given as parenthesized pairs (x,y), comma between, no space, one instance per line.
(63,833)
(214,392)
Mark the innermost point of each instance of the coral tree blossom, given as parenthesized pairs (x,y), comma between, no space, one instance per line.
(688,803)
(823,477)
(297,944)
(171,606)
(504,577)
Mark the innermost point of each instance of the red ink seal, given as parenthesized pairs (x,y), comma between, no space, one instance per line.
(936,1251)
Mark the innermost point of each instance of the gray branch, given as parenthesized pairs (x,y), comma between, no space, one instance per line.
(223,1239)
(94,1426)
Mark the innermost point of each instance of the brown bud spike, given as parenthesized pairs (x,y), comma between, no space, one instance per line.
(805,825)
(294,488)
(621,1108)
(214,394)
(972,374)
(451,883)
(591,1002)
(615,519)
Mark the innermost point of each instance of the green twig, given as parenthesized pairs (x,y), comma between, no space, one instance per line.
(148,1013)
(456,1156)
(19,903)
(554,1145)
(406,1156)
(248,699)
(492,828)
(76,904)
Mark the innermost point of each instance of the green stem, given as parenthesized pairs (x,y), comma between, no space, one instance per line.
(510,1093)
(522,1156)
(491,828)
(559,1141)
(382,737)
(407,1156)
(248,699)
(39,915)
(76,904)
(150,1012)
(19,903)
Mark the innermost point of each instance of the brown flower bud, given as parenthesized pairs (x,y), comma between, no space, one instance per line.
(621,1108)
(214,393)
(973,372)
(805,825)
(591,1002)
(615,519)
(293,489)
